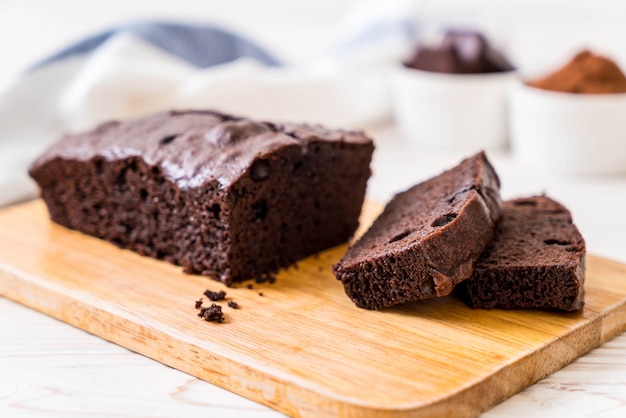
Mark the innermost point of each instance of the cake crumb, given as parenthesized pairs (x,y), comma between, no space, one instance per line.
(199,303)
(261,294)
(212,314)
(249,286)
(232,304)
(215,296)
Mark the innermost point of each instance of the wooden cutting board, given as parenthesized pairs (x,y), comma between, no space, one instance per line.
(302,347)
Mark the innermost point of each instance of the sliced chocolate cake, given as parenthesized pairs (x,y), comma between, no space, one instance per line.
(537,260)
(220,195)
(427,240)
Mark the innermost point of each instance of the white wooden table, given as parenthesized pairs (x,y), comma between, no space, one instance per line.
(50,369)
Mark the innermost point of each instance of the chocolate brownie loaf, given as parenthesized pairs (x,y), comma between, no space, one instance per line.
(220,195)
(536,260)
(427,239)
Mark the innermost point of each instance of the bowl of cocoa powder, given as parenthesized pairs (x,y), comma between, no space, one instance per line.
(452,94)
(572,120)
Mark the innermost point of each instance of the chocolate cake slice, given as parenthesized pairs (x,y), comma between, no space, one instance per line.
(427,240)
(220,195)
(537,260)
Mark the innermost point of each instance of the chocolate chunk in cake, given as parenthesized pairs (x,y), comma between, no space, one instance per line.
(536,260)
(220,195)
(427,240)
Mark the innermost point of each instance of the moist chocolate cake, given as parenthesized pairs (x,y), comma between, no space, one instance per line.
(536,260)
(427,239)
(220,195)
(460,52)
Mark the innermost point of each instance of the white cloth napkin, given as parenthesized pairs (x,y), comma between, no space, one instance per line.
(145,67)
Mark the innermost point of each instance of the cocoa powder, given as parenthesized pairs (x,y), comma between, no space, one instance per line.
(586,73)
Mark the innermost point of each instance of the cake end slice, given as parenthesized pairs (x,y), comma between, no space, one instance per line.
(537,260)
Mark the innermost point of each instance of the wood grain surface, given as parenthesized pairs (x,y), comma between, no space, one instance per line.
(302,347)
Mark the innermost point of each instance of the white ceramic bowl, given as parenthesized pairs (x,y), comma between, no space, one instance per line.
(566,132)
(451,111)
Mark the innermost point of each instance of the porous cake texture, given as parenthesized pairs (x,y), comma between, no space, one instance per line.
(537,260)
(221,195)
(427,240)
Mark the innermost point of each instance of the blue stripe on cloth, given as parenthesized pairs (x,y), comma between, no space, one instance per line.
(202,46)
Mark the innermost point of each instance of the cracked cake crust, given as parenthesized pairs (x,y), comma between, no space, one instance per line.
(221,195)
